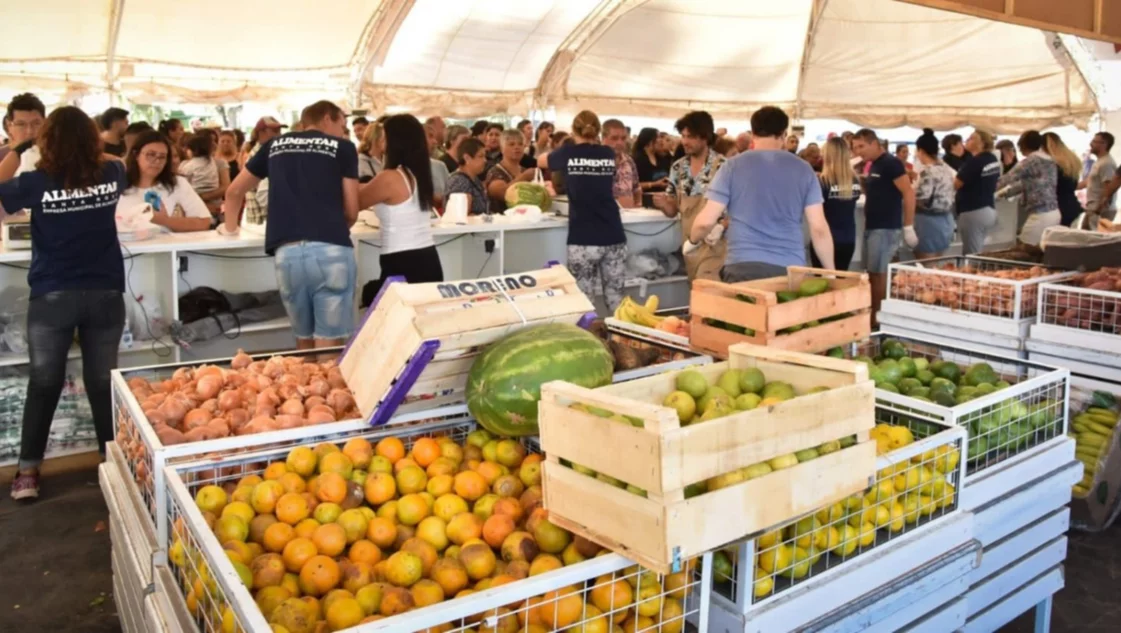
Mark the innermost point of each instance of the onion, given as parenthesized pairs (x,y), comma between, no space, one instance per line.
(208,386)
(237,418)
(229,400)
(198,434)
(264,410)
(289,392)
(321,416)
(256,367)
(138,383)
(169,436)
(173,410)
(153,400)
(196,418)
(156,417)
(288,422)
(182,374)
(268,396)
(263,382)
(335,379)
(234,379)
(292,406)
(318,387)
(210,405)
(312,401)
(322,409)
(274,369)
(340,400)
(219,426)
(209,370)
(241,360)
(248,392)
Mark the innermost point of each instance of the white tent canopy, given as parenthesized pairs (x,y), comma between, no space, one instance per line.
(878,62)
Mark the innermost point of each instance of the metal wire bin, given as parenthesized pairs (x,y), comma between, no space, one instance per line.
(915,486)
(591,595)
(1079,317)
(141,456)
(933,289)
(1006,425)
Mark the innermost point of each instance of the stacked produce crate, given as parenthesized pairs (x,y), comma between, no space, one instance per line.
(1094,414)
(1078,324)
(985,304)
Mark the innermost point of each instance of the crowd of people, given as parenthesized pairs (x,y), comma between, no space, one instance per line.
(743,202)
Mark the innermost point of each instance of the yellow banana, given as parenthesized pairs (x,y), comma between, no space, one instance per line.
(651,303)
(645,317)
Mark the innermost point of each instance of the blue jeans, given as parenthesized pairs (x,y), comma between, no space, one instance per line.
(99,318)
(316,282)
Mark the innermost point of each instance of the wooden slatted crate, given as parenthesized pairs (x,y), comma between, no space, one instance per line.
(663,458)
(844,312)
(417,341)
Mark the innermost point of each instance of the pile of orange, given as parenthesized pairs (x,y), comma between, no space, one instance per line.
(331,538)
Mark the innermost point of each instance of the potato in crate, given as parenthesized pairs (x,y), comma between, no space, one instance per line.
(642,467)
(808,310)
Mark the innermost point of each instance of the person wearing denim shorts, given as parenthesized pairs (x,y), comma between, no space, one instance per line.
(313,202)
(889,211)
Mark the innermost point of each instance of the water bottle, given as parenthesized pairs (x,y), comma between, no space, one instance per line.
(126,336)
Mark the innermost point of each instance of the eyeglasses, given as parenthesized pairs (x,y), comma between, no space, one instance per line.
(24,125)
(154,157)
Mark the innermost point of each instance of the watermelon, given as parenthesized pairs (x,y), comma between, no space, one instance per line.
(528,193)
(504,384)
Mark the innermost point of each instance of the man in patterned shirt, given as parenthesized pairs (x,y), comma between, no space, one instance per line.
(690,175)
(625,188)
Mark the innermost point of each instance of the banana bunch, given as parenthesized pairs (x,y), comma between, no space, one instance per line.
(631,312)
(1093,430)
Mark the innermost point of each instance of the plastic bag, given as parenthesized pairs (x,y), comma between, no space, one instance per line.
(145,317)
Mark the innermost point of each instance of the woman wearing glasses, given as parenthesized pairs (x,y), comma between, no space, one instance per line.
(151,181)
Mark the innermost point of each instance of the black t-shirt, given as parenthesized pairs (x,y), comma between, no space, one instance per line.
(117,150)
(305,172)
(978,177)
(1069,206)
(955,162)
(529,159)
(74,242)
(883,203)
(840,212)
(234,169)
(648,172)
(593,213)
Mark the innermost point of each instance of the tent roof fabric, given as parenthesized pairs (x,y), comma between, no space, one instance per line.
(876,62)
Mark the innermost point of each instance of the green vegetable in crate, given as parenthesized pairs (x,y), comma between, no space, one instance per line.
(504,384)
(528,193)
(946,369)
(836,352)
(892,348)
(979,373)
(1103,400)
(785,296)
(811,287)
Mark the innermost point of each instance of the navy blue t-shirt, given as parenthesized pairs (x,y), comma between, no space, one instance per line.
(305,172)
(593,213)
(74,242)
(840,212)
(978,176)
(883,203)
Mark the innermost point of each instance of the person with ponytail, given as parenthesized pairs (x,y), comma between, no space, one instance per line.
(597,247)
(976,188)
(934,199)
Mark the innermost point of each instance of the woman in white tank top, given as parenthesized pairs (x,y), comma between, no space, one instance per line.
(402,197)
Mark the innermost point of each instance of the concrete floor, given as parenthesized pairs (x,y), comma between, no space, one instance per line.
(56,573)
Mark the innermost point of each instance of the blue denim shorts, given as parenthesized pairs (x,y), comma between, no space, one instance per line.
(316,282)
(880,246)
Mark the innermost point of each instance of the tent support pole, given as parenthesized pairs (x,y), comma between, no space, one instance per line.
(377,38)
(116,15)
(816,14)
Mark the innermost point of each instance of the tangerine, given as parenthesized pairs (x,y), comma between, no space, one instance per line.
(275,471)
(336,462)
(470,485)
(344,613)
(277,536)
(411,479)
(380,488)
(490,471)
(426,592)
(544,563)
(302,461)
(297,552)
(292,482)
(329,539)
(319,575)
(381,531)
(508,486)
(425,451)
(439,485)
(305,528)
(442,466)
(561,608)
(364,551)
(403,569)
(450,574)
(291,508)
(411,509)
(497,528)
(424,550)
(355,575)
(464,527)
(435,531)
(395,600)
(447,506)
(404,463)
(360,452)
(332,488)
(508,506)
(390,448)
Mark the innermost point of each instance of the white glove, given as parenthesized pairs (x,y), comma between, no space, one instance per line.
(910,237)
(689,247)
(222,230)
(715,234)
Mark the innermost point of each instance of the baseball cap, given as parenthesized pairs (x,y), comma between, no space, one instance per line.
(268,122)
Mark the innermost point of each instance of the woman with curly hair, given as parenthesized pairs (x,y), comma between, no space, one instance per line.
(77,277)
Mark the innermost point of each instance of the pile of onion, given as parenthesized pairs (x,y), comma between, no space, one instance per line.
(974,295)
(209,402)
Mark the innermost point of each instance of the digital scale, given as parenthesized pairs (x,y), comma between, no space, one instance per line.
(17,232)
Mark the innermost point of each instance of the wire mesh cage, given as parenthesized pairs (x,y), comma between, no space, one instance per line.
(1094,414)
(1084,317)
(996,288)
(918,475)
(1009,406)
(143,457)
(596,593)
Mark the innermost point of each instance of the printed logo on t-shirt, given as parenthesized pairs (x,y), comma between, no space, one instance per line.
(835,192)
(591,167)
(84,199)
(304,145)
(991,169)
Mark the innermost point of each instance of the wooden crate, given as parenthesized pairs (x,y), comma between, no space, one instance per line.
(418,341)
(663,457)
(849,293)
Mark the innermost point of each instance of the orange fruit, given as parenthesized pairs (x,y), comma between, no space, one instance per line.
(544,563)
(265,495)
(510,453)
(275,471)
(448,505)
(411,479)
(277,536)
(319,575)
(297,552)
(490,471)
(439,485)
(381,532)
(390,448)
(302,461)
(249,480)
(561,608)
(478,559)
(470,485)
(364,551)
(403,569)
(355,575)
(435,531)
(404,463)
(464,527)
(305,528)
(509,507)
(442,466)
(612,596)
(354,523)
(332,488)
(426,592)
(450,450)
(329,539)
(291,508)
(425,451)
(267,570)
(508,486)
(336,462)
(343,614)
(497,528)
(423,549)
(292,482)
(388,510)
(395,600)
(380,488)
(411,509)
(360,452)
(450,574)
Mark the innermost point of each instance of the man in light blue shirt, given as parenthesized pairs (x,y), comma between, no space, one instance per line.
(767,191)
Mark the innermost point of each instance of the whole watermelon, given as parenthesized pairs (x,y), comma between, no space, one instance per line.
(504,383)
(528,193)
